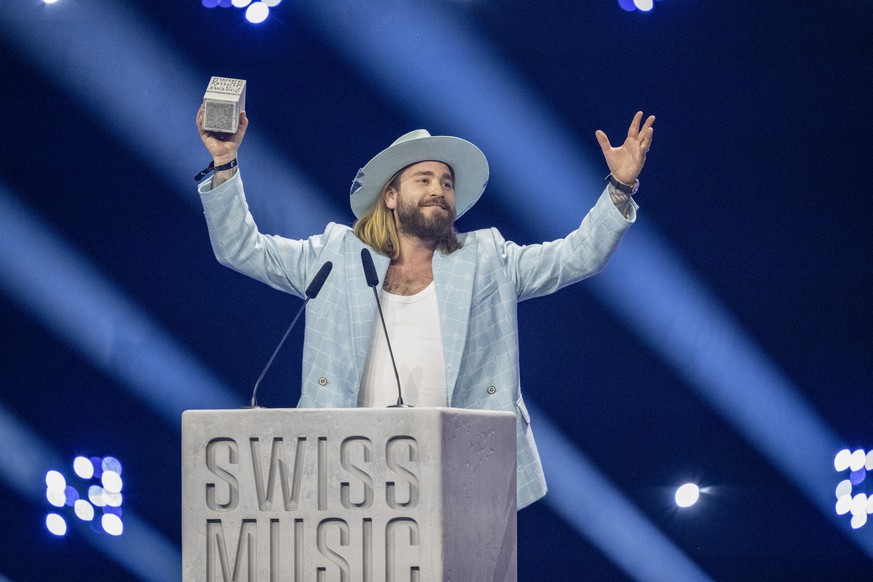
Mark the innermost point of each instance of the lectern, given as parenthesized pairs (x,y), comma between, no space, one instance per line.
(402,494)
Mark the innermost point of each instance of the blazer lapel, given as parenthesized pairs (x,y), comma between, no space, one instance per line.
(453,275)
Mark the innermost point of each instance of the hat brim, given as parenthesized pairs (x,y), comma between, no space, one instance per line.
(467,161)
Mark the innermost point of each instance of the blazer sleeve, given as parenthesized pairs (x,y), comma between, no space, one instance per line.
(540,269)
(282,263)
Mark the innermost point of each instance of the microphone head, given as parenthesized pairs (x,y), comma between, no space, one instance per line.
(318,280)
(369,268)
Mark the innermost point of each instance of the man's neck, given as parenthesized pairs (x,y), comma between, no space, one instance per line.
(412,271)
(414,251)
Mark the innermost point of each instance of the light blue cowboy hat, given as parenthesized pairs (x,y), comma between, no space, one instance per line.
(466,160)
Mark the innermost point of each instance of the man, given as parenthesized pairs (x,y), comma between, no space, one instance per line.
(450,298)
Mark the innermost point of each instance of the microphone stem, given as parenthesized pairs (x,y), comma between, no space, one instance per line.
(276,351)
(390,351)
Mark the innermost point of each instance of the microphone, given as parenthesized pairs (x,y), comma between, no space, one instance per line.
(372,281)
(311,292)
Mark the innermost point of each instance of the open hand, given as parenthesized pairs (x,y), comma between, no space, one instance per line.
(627,161)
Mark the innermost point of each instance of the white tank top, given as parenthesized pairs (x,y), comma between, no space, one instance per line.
(413,324)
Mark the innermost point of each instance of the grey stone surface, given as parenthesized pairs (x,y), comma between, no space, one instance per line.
(295,495)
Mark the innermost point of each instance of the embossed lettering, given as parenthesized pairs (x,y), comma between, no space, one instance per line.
(365,445)
(322,473)
(391,552)
(393,450)
(245,561)
(278,469)
(212,450)
(330,553)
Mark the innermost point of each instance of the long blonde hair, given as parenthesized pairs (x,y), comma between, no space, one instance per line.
(377,229)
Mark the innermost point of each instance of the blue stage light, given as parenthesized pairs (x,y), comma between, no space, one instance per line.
(111,464)
(851,493)
(627,5)
(106,494)
(71,496)
(143,551)
(117,511)
(97,464)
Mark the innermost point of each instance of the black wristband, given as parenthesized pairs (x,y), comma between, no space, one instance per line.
(213,168)
(630,190)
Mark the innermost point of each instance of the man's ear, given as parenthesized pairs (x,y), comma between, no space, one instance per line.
(391,198)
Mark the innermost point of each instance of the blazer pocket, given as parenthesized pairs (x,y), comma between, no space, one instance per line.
(485,292)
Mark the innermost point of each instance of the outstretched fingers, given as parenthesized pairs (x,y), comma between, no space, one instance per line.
(603,141)
(647,133)
(634,130)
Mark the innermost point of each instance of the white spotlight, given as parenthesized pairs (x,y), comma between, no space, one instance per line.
(111,482)
(56,524)
(257,12)
(84,510)
(842,460)
(644,5)
(83,467)
(95,494)
(112,524)
(687,495)
(55,481)
(56,497)
(858,460)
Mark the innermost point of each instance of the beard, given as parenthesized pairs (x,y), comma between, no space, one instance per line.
(415,220)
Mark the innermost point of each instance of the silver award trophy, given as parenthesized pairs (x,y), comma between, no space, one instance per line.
(222,103)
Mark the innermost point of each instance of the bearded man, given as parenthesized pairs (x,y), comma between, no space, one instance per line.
(450,299)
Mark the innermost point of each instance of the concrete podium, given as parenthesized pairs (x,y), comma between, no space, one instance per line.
(412,494)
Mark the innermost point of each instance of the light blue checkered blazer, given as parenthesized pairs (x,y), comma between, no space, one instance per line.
(478,288)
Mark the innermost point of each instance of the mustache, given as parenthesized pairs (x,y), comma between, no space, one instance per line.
(434,202)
